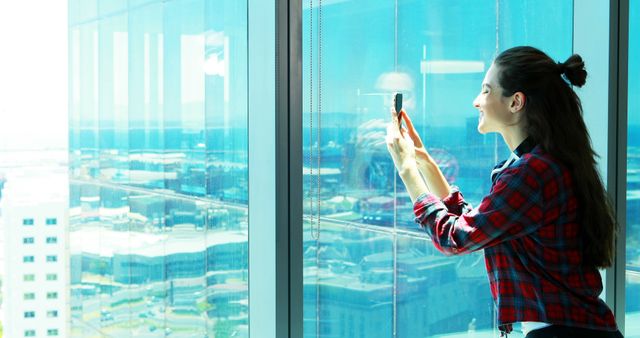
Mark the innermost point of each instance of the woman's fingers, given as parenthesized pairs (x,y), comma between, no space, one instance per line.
(407,119)
(395,136)
(392,134)
(394,117)
(412,130)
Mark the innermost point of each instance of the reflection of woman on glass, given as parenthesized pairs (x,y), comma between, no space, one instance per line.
(546,225)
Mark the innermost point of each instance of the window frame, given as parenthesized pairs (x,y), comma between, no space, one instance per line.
(275,112)
(617,150)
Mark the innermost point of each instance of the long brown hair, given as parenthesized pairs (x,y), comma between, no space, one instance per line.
(553,114)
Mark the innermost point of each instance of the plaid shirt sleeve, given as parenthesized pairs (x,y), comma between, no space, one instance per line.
(513,209)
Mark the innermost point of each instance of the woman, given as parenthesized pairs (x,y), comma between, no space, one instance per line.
(546,225)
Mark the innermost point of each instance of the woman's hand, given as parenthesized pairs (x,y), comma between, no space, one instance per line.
(435,180)
(400,145)
(402,150)
(422,156)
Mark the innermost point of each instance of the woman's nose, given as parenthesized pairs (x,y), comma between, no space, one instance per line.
(476,103)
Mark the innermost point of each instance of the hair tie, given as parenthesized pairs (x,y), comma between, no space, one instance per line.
(562,68)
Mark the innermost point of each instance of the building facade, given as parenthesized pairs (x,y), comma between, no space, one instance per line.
(35,281)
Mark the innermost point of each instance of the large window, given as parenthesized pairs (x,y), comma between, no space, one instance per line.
(158,162)
(632,320)
(368,269)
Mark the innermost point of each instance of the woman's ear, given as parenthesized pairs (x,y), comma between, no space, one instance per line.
(517,102)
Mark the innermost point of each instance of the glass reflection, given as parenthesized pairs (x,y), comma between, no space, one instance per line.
(158,216)
(436,54)
(348,282)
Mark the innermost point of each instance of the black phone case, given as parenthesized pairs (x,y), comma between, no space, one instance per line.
(398,102)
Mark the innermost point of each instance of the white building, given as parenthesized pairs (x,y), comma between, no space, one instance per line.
(35,286)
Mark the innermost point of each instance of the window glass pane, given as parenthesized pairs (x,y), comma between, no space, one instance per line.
(158,114)
(225,60)
(183,95)
(632,320)
(348,283)
(436,53)
(113,127)
(82,10)
(112,228)
(111,7)
(146,132)
(85,238)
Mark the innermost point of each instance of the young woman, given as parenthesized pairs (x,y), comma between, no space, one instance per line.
(546,226)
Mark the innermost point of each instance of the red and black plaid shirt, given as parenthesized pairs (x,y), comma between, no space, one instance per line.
(528,227)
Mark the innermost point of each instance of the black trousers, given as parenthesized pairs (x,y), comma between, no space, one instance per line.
(559,331)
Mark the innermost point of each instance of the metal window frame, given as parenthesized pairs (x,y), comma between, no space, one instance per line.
(275,162)
(289,166)
(617,149)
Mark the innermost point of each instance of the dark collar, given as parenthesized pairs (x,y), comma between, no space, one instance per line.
(525,147)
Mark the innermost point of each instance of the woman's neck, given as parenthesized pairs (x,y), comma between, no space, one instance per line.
(513,137)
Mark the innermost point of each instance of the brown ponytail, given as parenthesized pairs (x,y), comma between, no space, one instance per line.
(554,120)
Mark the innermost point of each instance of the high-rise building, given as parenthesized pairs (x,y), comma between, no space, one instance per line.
(35,283)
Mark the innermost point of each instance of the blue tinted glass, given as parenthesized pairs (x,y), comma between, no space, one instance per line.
(348,284)
(225,59)
(183,95)
(113,142)
(82,10)
(632,320)
(436,53)
(158,115)
(83,103)
(146,133)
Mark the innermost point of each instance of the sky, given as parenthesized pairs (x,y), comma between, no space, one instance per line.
(33,74)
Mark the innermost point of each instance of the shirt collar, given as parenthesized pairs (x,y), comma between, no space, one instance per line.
(525,147)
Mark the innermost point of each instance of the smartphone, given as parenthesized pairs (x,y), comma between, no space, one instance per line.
(397,101)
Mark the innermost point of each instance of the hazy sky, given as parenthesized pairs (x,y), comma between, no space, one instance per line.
(33,74)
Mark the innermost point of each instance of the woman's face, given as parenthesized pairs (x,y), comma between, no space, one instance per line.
(495,111)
